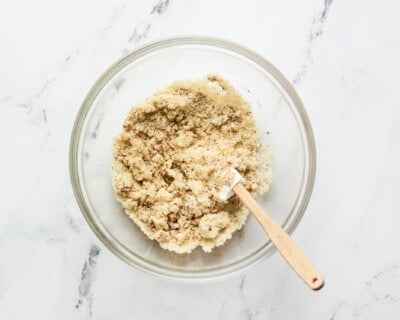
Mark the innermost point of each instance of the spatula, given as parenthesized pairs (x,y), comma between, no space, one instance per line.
(288,249)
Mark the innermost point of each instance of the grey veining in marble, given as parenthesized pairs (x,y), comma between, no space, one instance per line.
(315,32)
(87,277)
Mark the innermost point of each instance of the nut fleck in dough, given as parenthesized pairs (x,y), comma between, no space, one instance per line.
(170,157)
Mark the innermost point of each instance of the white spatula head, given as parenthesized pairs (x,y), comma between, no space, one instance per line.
(234,178)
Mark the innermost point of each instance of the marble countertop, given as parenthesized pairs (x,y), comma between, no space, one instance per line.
(343,59)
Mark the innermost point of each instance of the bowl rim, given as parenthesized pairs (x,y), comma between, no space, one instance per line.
(117,248)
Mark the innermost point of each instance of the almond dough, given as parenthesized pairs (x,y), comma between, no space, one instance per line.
(169,159)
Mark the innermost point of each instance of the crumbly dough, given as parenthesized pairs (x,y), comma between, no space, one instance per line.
(170,158)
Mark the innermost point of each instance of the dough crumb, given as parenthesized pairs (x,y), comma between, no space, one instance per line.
(169,160)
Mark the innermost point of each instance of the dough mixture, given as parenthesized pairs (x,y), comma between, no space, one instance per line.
(169,159)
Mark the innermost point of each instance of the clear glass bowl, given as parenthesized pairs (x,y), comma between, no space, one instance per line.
(277,109)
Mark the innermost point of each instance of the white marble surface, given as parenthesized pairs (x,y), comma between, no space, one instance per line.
(342,56)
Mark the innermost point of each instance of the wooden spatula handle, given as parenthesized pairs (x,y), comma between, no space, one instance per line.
(289,250)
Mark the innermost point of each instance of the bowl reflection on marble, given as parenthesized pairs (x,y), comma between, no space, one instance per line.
(277,110)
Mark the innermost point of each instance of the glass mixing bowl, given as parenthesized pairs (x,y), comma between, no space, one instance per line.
(281,122)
